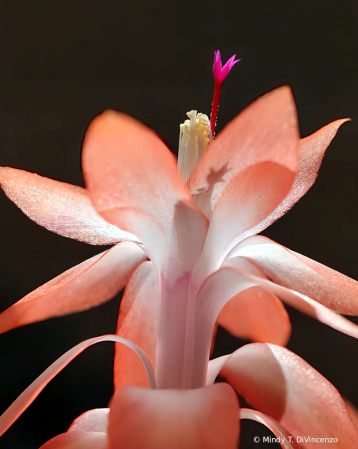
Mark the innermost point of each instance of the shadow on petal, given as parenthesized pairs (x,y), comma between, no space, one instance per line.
(311,151)
(254,372)
(280,384)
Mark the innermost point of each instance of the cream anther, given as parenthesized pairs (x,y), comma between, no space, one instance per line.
(194,138)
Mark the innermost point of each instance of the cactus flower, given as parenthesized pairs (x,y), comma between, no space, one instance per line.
(197,225)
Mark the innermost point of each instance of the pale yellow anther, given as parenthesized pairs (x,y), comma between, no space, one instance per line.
(194,138)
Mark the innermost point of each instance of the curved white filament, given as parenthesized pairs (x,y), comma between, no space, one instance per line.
(286,440)
(33,390)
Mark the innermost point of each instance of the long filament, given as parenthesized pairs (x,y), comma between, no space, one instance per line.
(33,390)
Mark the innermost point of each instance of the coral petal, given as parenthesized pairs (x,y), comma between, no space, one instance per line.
(216,291)
(125,163)
(134,183)
(78,440)
(86,285)
(176,419)
(282,385)
(295,299)
(353,412)
(267,130)
(249,197)
(258,315)
(33,390)
(297,272)
(287,440)
(311,151)
(59,207)
(137,321)
(214,368)
(92,421)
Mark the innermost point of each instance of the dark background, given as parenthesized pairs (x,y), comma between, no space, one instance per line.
(64,62)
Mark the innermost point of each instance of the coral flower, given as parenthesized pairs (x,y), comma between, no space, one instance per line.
(198,227)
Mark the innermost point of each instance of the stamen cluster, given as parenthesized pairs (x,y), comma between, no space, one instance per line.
(194,138)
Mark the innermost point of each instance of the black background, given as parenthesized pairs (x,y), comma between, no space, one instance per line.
(64,62)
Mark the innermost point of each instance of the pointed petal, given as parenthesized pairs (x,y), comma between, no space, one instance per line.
(86,285)
(249,197)
(311,152)
(294,299)
(176,419)
(353,412)
(78,440)
(134,184)
(216,291)
(237,278)
(266,131)
(287,440)
(258,315)
(282,385)
(297,272)
(92,421)
(33,390)
(137,321)
(214,368)
(59,207)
